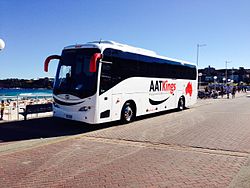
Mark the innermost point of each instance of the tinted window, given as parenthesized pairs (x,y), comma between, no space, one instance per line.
(106,77)
(126,65)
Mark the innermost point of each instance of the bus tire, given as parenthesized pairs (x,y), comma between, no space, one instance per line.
(181,104)
(128,113)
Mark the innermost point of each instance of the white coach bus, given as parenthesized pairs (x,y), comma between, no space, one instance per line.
(105,81)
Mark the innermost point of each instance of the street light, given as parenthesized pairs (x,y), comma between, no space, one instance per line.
(215,78)
(232,73)
(224,79)
(198,47)
(199,84)
(226,68)
(2,44)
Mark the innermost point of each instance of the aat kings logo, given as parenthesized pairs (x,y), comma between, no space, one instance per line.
(189,89)
(162,86)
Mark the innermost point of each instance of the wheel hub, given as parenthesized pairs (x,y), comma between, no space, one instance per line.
(128,113)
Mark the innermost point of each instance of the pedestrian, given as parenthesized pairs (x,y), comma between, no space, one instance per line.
(228,90)
(206,93)
(2,109)
(222,91)
(233,92)
(245,89)
(239,89)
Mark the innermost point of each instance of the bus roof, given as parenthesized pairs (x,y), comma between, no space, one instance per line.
(102,45)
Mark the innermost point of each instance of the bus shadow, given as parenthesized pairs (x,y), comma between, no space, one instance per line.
(45,128)
(143,117)
(55,127)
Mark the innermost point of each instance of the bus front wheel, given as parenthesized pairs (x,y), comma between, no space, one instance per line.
(128,113)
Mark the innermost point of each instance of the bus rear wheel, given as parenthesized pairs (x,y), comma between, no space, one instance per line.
(181,104)
(128,113)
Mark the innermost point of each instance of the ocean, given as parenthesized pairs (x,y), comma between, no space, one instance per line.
(13,93)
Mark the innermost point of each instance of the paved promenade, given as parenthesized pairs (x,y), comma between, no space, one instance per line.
(207,145)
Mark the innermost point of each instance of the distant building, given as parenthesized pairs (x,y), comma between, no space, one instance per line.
(211,75)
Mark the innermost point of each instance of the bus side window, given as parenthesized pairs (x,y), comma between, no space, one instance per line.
(106,77)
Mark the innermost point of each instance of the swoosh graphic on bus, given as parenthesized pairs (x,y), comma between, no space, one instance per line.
(157,102)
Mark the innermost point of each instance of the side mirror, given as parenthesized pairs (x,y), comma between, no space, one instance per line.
(93,61)
(48,59)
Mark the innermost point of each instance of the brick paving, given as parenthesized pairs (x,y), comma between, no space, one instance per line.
(87,163)
(224,125)
(205,146)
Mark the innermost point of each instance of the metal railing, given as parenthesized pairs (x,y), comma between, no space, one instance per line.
(13,104)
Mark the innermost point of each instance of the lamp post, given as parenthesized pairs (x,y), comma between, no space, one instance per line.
(215,78)
(199,84)
(226,69)
(232,73)
(2,44)
(224,79)
(197,57)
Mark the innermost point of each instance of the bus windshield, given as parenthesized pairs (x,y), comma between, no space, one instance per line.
(73,75)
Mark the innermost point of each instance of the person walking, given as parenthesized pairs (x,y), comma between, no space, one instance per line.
(233,92)
(228,91)
(222,92)
(2,109)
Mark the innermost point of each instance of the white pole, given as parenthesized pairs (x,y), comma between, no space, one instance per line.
(198,50)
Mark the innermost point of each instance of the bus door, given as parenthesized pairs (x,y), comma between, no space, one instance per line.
(105,98)
(116,106)
(110,100)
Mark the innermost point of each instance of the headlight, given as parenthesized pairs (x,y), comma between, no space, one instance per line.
(56,105)
(85,108)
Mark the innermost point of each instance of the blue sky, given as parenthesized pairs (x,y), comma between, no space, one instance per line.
(33,30)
